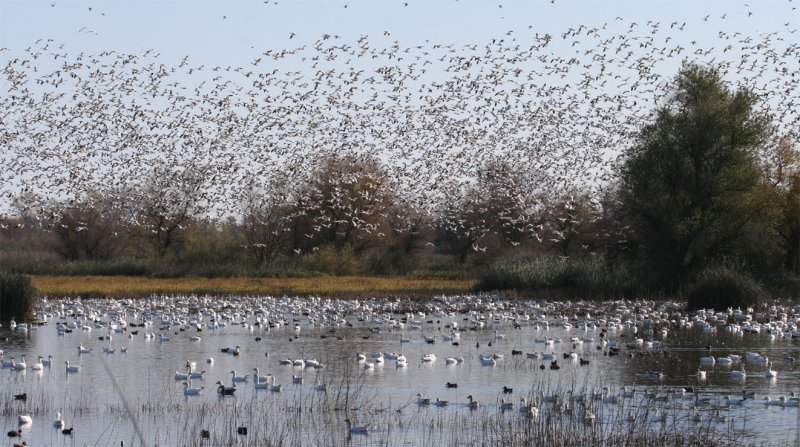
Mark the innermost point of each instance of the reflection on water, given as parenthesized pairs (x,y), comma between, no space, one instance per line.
(380,395)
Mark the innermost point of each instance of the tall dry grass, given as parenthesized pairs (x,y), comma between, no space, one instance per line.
(339,286)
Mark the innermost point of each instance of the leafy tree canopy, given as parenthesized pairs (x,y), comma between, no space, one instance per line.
(691,185)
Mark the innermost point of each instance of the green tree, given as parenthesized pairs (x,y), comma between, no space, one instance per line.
(691,186)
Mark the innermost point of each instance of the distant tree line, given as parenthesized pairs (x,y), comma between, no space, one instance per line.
(706,185)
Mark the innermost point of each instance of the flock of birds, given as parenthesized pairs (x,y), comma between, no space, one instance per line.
(621,329)
(559,108)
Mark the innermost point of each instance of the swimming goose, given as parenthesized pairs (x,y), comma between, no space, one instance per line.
(741,375)
(360,429)
(25,419)
(770,374)
(58,422)
(273,387)
(236,378)
(38,366)
(191,391)
(19,366)
(259,378)
(225,390)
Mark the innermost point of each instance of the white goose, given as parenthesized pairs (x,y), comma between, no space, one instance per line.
(273,387)
(741,375)
(38,365)
(770,374)
(238,378)
(259,378)
(19,366)
(708,361)
(258,384)
(58,422)
(6,363)
(25,419)
(191,391)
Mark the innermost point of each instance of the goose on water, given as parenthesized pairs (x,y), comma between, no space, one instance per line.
(225,390)
(770,374)
(191,391)
(235,378)
(358,429)
(25,419)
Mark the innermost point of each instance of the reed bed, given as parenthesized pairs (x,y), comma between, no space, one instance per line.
(302,415)
(335,286)
(17,296)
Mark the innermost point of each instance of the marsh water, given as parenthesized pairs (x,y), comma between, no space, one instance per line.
(115,392)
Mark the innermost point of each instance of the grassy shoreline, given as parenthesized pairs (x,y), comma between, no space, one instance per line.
(329,286)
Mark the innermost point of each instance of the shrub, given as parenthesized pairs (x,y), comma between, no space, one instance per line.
(721,288)
(332,261)
(583,278)
(17,297)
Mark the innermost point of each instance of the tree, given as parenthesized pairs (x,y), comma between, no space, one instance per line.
(691,185)
(163,206)
(90,229)
(345,204)
(571,224)
(783,167)
(491,216)
(265,221)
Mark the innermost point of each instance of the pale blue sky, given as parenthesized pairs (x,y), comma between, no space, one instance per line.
(586,92)
(234,32)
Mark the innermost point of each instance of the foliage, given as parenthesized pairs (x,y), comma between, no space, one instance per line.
(490,216)
(331,260)
(265,221)
(345,204)
(692,187)
(17,297)
(163,204)
(720,288)
(585,278)
(91,229)
(782,164)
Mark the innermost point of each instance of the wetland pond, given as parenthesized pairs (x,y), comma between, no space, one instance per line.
(633,376)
